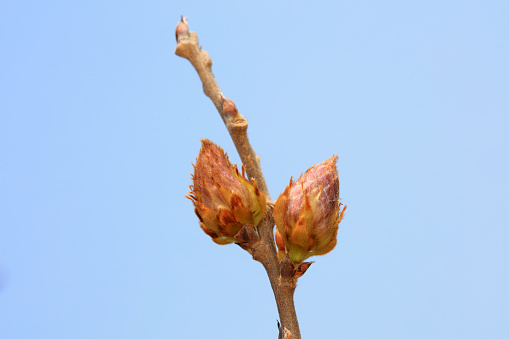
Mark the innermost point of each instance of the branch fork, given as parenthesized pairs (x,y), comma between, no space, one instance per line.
(256,240)
(259,242)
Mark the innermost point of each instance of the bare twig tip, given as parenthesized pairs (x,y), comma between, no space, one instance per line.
(247,234)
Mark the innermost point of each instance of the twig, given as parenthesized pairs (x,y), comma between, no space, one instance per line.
(262,247)
(236,124)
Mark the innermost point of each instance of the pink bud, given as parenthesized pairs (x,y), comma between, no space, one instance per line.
(229,108)
(308,212)
(223,198)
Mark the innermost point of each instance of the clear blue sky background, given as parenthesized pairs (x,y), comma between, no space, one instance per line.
(100,121)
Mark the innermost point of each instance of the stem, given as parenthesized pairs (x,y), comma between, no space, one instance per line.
(263,250)
(188,48)
(265,253)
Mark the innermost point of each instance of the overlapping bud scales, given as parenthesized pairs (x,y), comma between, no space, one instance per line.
(224,199)
(308,213)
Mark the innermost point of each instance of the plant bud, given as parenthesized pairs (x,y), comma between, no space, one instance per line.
(308,212)
(224,199)
(280,244)
(229,108)
(182,28)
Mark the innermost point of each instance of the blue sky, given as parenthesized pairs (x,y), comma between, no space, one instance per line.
(100,121)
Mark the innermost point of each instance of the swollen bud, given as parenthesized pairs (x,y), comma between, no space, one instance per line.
(182,29)
(224,199)
(308,213)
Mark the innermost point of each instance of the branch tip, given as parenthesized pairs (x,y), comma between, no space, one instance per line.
(182,29)
(301,269)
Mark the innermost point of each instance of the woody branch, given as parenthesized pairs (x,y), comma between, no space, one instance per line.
(261,246)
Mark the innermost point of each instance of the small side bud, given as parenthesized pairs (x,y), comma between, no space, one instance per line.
(224,199)
(229,108)
(280,244)
(287,269)
(182,29)
(206,57)
(247,234)
(301,269)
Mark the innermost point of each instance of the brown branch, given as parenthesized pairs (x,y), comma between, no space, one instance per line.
(262,247)
(236,124)
(281,276)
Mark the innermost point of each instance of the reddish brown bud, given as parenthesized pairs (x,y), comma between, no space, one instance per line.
(287,270)
(182,29)
(308,212)
(229,108)
(224,199)
(301,269)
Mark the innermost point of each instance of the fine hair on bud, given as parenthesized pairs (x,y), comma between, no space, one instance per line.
(308,213)
(223,198)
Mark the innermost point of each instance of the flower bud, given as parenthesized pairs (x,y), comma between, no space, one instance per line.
(224,199)
(308,212)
